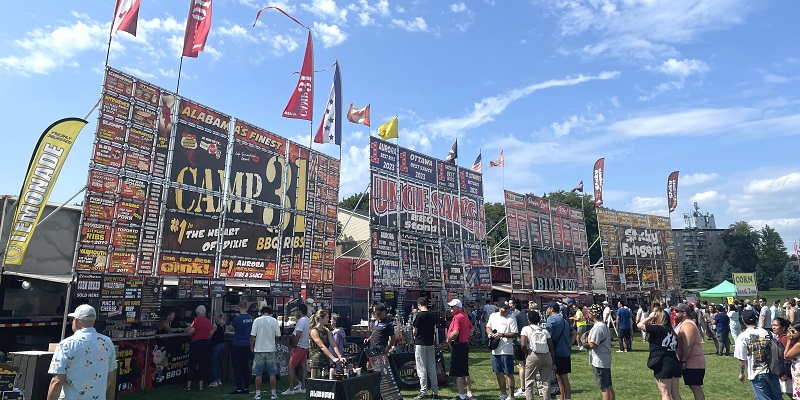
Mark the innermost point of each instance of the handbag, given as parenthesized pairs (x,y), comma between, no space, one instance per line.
(494,343)
(655,362)
(519,353)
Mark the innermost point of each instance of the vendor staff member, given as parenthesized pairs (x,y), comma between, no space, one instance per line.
(165,325)
(382,337)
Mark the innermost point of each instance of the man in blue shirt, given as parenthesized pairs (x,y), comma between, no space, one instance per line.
(723,329)
(240,349)
(624,325)
(562,334)
(83,364)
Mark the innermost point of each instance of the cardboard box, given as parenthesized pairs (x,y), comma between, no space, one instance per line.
(12,395)
(8,377)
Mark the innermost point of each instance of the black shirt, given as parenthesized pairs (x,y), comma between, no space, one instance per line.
(380,336)
(425,322)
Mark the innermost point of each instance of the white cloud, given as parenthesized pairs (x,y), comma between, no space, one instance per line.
(696,179)
(417,24)
(681,69)
(236,31)
(649,205)
(139,73)
(644,29)
(355,172)
(287,43)
(789,183)
(364,19)
(44,51)
(457,8)
(576,122)
(701,121)
(485,110)
(711,197)
(326,9)
(330,35)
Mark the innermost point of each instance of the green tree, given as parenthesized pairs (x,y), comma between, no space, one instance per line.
(349,203)
(772,257)
(791,277)
(708,277)
(688,275)
(495,212)
(741,247)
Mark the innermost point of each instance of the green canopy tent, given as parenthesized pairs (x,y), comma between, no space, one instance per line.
(724,289)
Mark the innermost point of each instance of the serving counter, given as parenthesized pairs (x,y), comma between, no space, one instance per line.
(151,361)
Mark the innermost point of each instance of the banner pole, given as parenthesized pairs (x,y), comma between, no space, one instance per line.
(61,206)
(2,223)
(356,206)
(180,68)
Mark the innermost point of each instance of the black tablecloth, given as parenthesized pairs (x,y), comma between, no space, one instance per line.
(347,389)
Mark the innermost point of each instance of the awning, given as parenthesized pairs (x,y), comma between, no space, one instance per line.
(59,278)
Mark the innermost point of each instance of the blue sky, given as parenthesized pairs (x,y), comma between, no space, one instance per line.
(707,87)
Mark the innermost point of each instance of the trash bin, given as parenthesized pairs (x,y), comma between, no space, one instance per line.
(34,379)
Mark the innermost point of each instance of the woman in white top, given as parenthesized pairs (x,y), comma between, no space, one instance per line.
(540,356)
(641,315)
(736,327)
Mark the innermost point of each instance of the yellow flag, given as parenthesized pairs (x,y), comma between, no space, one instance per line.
(388,130)
(46,163)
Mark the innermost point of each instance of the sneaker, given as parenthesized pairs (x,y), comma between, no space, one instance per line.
(213,384)
(301,390)
(619,351)
(245,391)
(257,396)
(298,387)
(502,397)
(273,397)
(288,392)
(519,393)
(237,391)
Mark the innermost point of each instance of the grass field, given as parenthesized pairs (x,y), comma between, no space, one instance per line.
(632,380)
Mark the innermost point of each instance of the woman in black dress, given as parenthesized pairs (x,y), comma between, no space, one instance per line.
(663,360)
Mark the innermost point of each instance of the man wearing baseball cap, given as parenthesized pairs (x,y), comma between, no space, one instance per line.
(83,363)
(458,337)
(752,351)
(563,335)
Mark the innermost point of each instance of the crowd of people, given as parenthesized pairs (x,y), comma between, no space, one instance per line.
(766,342)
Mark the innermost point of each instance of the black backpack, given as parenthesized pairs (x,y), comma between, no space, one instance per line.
(778,366)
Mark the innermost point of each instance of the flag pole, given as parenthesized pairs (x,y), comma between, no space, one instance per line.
(111,33)
(180,68)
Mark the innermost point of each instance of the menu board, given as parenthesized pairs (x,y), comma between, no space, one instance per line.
(151,298)
(184,288)
(216,288)
(112,295)
(88,286)
(133,299)
(199,289)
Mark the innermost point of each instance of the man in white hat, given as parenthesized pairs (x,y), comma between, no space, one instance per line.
(83,363)
(458,337)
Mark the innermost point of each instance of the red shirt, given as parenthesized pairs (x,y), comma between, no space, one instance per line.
(461,324)
(202,328)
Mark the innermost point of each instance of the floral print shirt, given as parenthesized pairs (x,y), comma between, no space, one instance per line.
(85,358)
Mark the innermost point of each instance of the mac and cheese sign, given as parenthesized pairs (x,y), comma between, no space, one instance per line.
(177,188)
(426,220)
(745,284)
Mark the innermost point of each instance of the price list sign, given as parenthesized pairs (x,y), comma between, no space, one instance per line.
(151,298)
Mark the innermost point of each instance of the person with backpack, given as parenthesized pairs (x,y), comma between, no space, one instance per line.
(780,326)
(792,354)
(752,349)
(538,345)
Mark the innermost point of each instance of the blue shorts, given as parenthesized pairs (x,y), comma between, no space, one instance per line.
(503,364)
(265,362)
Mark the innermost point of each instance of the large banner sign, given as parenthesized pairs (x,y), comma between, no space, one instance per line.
(638,252)
(547,242)
(45,165)
(178,188)
(427,222)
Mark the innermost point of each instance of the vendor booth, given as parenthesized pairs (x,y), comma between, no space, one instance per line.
(724,289)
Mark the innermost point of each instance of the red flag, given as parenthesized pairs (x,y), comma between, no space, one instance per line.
(578,188)
(501,161)
(126,16)
(302,101)
(599,167)
(672,191)
(197,27)
(358,115)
